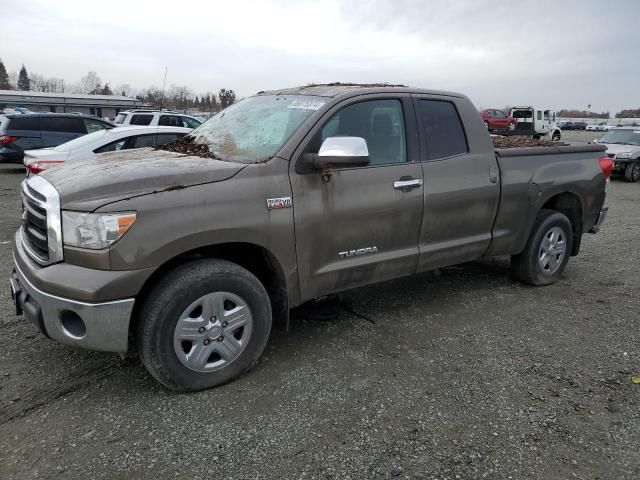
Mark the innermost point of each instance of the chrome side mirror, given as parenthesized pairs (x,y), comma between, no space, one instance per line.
(342,152)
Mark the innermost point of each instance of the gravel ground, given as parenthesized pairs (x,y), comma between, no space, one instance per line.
(464,374)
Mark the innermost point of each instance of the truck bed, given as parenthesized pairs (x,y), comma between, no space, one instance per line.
(534,176)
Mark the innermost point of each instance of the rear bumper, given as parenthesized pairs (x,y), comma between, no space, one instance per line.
(96,326)
(601,218)
(11,156)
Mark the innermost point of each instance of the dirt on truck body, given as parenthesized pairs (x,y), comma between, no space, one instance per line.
(303,192)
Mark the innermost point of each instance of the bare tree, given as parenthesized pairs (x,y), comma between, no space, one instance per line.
(89,83)
(125,90)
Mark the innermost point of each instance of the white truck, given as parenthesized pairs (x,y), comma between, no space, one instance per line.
(535,122)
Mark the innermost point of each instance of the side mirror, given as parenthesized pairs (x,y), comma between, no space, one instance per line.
(341,152)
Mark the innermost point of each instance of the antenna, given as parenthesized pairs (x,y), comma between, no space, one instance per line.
(164,84)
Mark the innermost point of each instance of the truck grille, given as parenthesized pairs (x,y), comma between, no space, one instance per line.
(41,228)
(34,227)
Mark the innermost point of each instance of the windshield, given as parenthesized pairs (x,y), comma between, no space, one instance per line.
(627,137)
(254,129)
(80,141)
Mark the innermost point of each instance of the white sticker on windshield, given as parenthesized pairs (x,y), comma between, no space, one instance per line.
(305,104)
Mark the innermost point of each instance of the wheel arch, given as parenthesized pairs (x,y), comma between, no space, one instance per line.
(569,204)
(255,258)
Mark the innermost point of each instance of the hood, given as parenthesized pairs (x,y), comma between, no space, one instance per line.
(90,183)
(44,154)
(619,148)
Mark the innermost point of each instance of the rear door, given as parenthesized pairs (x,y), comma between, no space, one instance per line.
(59,130)
(358,225)
(462,186)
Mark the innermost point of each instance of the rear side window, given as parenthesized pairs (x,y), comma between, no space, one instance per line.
(141,119)
(167,137)
(120,118)
(443,129)
(94,125)
(63,125)
(190,122)
(141,141)
(23,123)
(112,147)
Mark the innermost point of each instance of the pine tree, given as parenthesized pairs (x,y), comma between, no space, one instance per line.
(5,84)
(24,83)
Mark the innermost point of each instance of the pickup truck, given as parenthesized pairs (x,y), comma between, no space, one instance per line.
(190,252)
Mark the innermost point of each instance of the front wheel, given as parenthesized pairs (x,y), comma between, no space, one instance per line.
(486,124)
(204,324)
(555,137)
(632,172)
(547,251)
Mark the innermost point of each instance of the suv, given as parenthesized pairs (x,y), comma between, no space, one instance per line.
(497,119)
(154,118)
(20,132)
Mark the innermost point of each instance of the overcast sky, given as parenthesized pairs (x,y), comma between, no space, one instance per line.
(555,53)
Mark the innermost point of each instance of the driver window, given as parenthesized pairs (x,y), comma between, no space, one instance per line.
(546,115)
(379,122)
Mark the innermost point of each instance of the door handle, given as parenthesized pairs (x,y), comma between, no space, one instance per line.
(406,184)
(494,173)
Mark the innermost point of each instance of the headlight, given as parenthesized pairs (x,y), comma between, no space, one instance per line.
(95,230)
(623,155)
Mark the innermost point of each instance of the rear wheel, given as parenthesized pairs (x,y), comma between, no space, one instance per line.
(204,324)
(632,172)
(547,251)
(486,124)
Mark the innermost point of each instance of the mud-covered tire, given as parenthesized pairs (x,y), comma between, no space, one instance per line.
(527,265)
(166,303)
(632,172)
(555,137)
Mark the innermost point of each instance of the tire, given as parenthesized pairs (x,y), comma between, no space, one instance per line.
(486,124)
(527,266)
(632,172)
(555,137)
(179,306)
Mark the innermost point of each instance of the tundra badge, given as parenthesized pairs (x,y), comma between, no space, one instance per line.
(358,252)
(280,202)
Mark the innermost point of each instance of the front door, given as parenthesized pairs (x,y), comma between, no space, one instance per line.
(461,184)
(360,225)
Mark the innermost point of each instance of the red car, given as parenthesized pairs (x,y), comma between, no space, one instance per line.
(497,119)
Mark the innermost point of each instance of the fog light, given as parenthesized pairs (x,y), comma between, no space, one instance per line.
(72,324)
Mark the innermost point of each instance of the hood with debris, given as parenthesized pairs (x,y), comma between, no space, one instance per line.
(88,184)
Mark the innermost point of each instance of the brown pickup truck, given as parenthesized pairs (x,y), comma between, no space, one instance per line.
(188,258)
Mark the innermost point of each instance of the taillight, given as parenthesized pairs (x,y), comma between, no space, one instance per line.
(606,164)
(7,139)
(37,167)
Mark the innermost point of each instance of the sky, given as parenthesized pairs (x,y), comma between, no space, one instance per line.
(549,53)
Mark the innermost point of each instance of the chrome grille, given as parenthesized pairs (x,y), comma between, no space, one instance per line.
(34,227)
(41,228)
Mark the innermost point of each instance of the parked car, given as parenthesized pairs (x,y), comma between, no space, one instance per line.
(579,125)
(497,119)
(20,132)
(566,125)
(154,118)
(536,122)
(623,145)
(101,141)
(598,127)
(195,252)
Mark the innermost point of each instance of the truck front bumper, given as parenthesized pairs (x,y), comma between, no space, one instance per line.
(96,326)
